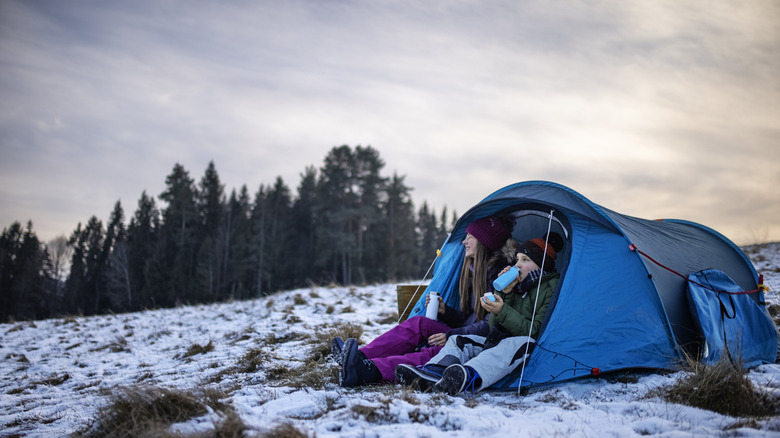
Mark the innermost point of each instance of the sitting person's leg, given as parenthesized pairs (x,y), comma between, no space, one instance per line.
(487,368)
(404,338)
(377,360)
(387,365)
(356,369)
(459,348)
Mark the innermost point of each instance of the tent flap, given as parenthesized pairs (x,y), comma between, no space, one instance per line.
(730,322)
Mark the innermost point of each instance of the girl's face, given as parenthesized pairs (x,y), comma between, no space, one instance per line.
(525,264)
(470,242)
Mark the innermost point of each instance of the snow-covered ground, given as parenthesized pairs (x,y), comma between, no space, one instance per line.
(56,374)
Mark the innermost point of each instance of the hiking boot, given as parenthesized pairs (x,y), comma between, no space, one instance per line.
(356,368)
(336,349)
(458,378)
(421,379)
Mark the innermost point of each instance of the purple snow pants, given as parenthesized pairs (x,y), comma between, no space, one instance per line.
(397,346)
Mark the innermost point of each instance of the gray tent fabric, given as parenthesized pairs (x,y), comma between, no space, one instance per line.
(684,247)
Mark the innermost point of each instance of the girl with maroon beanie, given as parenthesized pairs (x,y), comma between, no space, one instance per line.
(488,249)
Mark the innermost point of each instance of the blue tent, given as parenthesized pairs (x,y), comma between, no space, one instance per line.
(621,302)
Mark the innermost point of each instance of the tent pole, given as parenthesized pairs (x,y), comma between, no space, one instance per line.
(536,301)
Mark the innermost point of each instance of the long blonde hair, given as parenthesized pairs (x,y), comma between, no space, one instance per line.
(475,267)
(478,267)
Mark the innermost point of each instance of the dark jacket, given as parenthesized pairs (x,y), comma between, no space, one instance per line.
(465,323)
(514,319)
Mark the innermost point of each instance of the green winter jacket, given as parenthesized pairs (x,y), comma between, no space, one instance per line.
(514,319)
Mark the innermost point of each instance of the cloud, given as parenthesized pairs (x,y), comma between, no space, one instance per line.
(655,110)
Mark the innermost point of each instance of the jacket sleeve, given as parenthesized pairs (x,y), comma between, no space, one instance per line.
(479,328)
(517,321)
(454,317)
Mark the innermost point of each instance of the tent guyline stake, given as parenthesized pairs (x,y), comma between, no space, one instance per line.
(536,301)
(761,287)
(411,300)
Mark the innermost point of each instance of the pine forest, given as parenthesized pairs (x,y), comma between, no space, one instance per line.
(347,224)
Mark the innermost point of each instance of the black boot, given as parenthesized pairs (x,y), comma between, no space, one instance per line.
(356,369)
(458,378)
(421,379)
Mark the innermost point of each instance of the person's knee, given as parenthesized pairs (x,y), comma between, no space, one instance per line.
(414,321)
(464,342)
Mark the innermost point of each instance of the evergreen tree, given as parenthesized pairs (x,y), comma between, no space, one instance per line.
(302,234)
(141,244)
(371,226)
(429,236)
(85,286)
(336,208)
(76,281)
(280,251)
(350,192)
(238,259)
(400,250)
(26,280)
(212,237)
(10,247)
(272,237)
(444,228)
(175,255)
(257,223)
(117,268)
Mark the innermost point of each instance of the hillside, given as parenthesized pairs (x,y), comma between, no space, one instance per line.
(261,366)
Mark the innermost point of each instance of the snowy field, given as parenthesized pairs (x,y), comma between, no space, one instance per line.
(56,374)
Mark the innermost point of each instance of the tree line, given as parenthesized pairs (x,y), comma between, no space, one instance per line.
(346,224)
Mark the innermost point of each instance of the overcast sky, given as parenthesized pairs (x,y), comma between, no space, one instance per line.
(656,109)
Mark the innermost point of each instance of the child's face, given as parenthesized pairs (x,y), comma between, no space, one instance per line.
(525,264)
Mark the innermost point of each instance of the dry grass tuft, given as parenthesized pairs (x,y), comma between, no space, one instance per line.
(18,357)
(285,430)
(774,311)
(230,424)
(16,328)
(119,345)
(55,379)
(381,410)
(323,336)
(723,388)
(150,411)
(252,360)
(388,318)
(198,349)
(556,397)
(315,374)
(317,370)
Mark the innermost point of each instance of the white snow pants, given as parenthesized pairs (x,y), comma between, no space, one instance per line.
(493,363)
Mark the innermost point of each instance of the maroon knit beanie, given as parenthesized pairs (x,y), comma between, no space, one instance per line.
(490,232)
